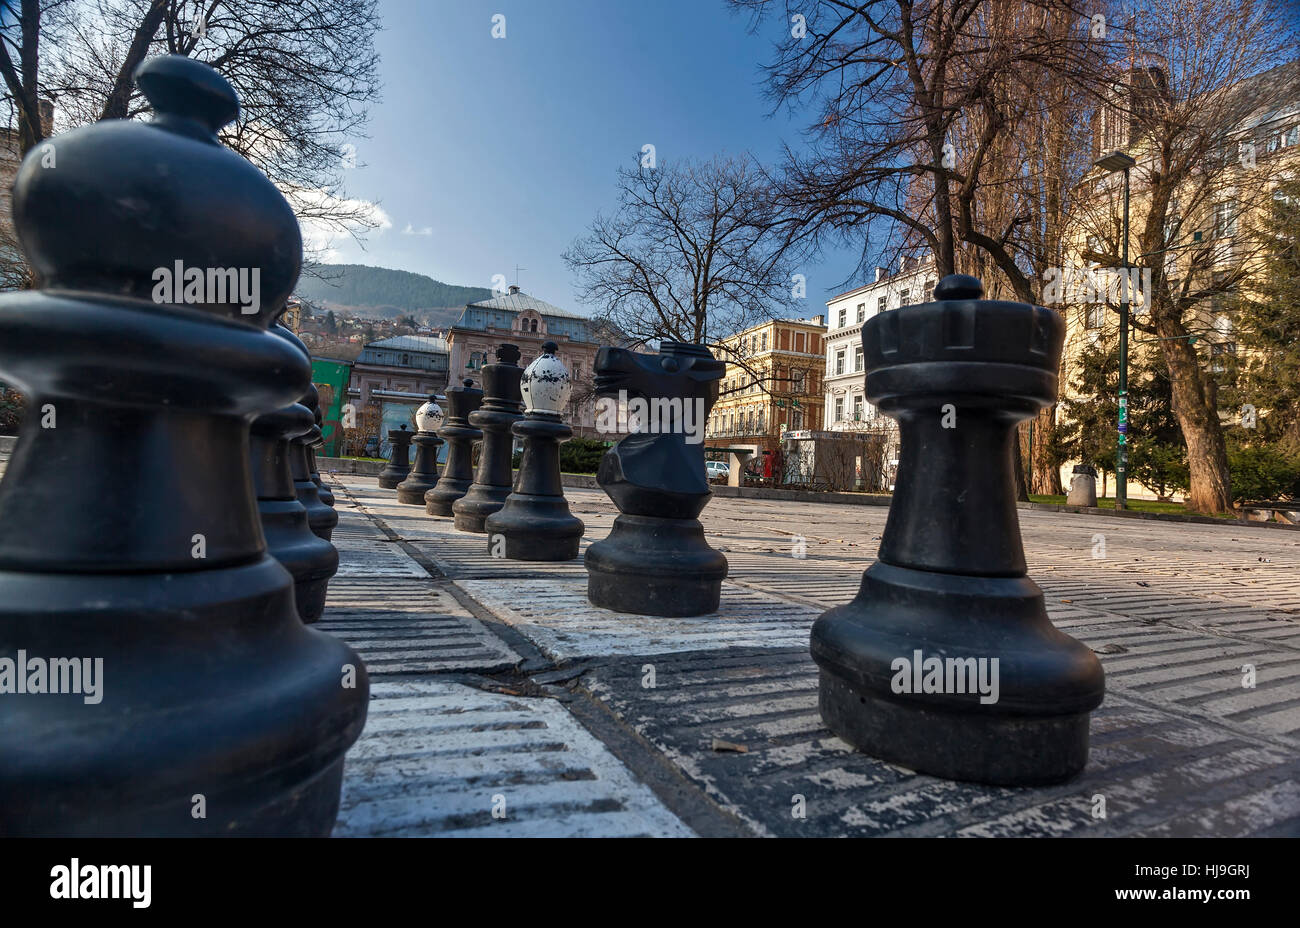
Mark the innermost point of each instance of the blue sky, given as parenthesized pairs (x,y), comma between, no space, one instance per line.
(489,153)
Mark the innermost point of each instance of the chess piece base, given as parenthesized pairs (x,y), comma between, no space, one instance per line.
(389,478)
(1046,682)
(424,472)
(412,491)
(535,528)
(320,517)
(479,502)
(1006,751)
(439,500)
(195,700)
(653,566)
(310,559)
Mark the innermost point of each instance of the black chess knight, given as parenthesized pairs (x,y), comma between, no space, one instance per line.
(656,560)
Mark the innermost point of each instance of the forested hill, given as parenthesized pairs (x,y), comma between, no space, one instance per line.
(361,285)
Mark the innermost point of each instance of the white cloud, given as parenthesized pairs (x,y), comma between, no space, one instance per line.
(348,218)
(423,230)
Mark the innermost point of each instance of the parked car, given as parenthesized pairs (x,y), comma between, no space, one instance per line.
(717,470)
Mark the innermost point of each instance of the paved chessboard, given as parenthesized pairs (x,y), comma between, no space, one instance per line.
(498,688)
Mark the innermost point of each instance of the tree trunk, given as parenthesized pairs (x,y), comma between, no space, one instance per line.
(119,98)
(1018,464)
(1207,453)
(1046,473)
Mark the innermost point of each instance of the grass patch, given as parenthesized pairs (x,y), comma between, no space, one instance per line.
(1137,505)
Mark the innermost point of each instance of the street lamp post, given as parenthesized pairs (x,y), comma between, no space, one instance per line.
(1118,161)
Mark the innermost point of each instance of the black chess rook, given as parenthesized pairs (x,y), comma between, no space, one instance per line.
(946,662)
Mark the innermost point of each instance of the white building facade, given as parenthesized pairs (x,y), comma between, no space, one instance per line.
(847,408)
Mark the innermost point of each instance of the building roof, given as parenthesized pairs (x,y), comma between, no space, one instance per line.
(426,343)
(519,301)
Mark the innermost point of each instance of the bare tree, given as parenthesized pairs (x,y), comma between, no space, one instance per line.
(1191,102)
(923,117)
(688,255)
(305,73)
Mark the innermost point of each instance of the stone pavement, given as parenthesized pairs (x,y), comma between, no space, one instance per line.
(498,688)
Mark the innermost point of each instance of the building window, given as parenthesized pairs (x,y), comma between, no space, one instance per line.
(765,341)
(1094,315)
(1225,220)
(797,379)
(839,409)
(929,290)
(882,304)
(903,297)
(839,362)
(857,408)
(796,419)
(843,317)
(406,359)
(862,312)
(857,359)
(762,414)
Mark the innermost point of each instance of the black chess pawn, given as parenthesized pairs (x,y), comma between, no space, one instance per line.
(310,559)
(535,524)
(320,517)
(457,472)
(502,402)
(424,473)
(399,461)
(656,560)
(326,495)
(946,662)
(163,255)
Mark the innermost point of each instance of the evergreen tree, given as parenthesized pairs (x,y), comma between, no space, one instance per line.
(1268,334)
(1157,454)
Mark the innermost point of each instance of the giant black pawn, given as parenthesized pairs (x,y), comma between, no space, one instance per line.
(205,706)
(457,472)
(320,517)
(424,473)
(656,560)
(399,462)
(535,524)
(946,662)
(326,495)
(500,410)
(310,559)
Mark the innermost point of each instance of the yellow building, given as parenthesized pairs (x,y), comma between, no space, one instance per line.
(773,384)
(1207,236)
